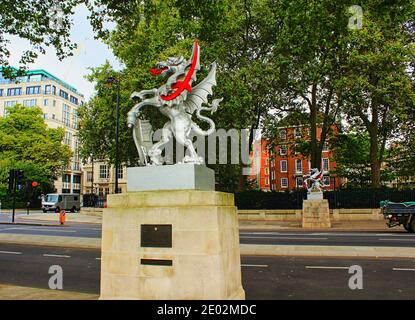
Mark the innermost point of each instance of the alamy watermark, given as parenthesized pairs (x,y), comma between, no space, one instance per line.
(221,147)
(356,19)
(56,280)
(356,280)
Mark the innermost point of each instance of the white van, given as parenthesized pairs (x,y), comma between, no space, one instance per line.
(58,201)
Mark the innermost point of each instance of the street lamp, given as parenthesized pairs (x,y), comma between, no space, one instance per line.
(112,80)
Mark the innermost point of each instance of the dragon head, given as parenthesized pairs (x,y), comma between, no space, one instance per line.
(169,67)
(181,74)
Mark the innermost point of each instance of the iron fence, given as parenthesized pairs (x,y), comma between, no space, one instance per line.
(345,198)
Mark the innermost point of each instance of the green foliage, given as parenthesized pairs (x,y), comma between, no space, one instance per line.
(351,153)
(43,23)
(275,57)
(27,144)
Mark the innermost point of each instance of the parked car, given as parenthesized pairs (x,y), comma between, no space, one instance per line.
(398,214)
(58,201)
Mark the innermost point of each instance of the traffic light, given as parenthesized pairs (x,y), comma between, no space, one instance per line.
(19,179)
(11,180)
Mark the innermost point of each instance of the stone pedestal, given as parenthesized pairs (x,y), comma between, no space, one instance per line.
(316,214)
(171,177)
(171,244)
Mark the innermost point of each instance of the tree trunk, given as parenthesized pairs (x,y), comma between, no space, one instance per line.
(375,164)
(315,150)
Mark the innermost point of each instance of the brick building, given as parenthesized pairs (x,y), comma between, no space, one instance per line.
(283,166)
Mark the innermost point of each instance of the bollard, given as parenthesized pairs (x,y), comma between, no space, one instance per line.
(62,216)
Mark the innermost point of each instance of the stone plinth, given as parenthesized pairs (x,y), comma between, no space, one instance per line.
(316,214)
(203,261)
(317,195)
(170,177)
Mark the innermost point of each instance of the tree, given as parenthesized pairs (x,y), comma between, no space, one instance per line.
(278,57)
(151,31)
(351,153)
(43,23)
(377,88)
(309,55)
(27,144)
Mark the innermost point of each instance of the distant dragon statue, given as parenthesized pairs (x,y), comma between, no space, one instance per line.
(314,177)
(177,100)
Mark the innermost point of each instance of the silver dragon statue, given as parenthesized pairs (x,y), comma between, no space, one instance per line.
(177,100)
(314,178)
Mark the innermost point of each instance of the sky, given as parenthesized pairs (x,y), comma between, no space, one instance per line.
(90,53)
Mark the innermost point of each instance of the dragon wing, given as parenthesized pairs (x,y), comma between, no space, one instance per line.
(200,93)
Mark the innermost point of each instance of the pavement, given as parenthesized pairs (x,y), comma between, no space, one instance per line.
(36,216)
(263,277)
(10,292)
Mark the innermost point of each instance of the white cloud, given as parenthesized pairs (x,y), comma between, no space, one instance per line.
(90,53)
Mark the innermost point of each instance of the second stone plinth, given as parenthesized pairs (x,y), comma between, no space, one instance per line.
(316,214)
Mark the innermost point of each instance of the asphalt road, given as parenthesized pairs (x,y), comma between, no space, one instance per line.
(263,277)
(392,238)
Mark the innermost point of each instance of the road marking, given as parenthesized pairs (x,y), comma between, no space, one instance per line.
(40,230)
(10,252)
(255,265)
(380,239)
(284,238)
(403,269)
(323,267)
(56,255)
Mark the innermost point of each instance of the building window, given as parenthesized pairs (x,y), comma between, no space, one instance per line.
(45,102)
(74,100)
(325,146)
(14,91)
(9,103)
(267,181)
(266,171)
(120,173)
(48,89)
(297,133)
(1,92)
(76,162)
(66,115)
(68,138)
(299,182)
(283,134)
(35,78)
(297,148)
(89,176)
(33,90)
(54,103)
(30,103)
(326,165)
(54,90)
(103,171)
(75,119)
(63,94)
(45,116)
(299,166)
(76,178)
(284,182)
(283,166)
(326,181)
(283,150)
(272,175)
